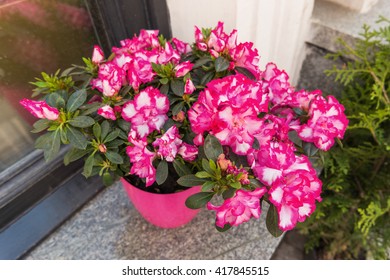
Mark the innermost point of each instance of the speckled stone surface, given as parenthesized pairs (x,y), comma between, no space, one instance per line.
(348,21)
(110,228)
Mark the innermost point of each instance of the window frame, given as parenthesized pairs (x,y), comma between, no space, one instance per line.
(32,188)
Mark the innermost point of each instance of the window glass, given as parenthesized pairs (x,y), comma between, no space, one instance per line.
(35,36)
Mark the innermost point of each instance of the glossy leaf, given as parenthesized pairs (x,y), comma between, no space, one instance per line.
(162,172)
(225,228)
(199,200)
(53,147)
(245,72)
(177,87)
(97,130)
(76,138)
(180,168)
(190,180)
(88,166)
(114,157)
(272,221)
(76,100)
(212,147)
(221,64)
(40,125)
(82,121)
(74,154)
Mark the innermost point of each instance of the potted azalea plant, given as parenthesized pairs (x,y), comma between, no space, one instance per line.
(197,120)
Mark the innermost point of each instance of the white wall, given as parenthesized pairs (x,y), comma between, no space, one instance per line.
(278,28)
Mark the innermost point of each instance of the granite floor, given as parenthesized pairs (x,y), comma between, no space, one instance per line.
(109,227)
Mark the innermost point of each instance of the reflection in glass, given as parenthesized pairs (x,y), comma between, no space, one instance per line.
(35,36)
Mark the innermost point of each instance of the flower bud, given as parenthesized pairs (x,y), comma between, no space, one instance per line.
(223,163)
(179,117)
(102,148)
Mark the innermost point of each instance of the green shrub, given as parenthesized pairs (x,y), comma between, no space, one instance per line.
(353,221)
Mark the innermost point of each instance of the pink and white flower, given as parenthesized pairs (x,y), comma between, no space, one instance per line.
(294,196)
(189,87)
(97,55)
(110,79)
(327,121)
(107,112)
(183,68)
(168,144)
(147,112)
(228,109)
(40,109)
(188,152)
(238,209)
(141,158)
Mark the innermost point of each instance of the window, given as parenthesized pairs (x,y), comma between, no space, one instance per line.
(40,35)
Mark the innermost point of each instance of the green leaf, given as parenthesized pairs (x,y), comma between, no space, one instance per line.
(82,121)
(74,154)
(53,146)
(199,200)
(105,129)
(164,81)
(97,130)
(181,169)
(164,89)
(76,100)
(40,125)
(115,143)
(309,149)
(113,135)
(76,138)
(43,141)
(245,72)
(202,174)
(236,185)
(206,166)
(255,183)
(162,172)
(272,221)
(177,108)
(124,125)
(208,186)
(55,100)
(107,179)
(177,87)
(206,78)
(88,109)
(293,136)
(190,180)
(201,61)
(114,157)
(225,228)
(221,64)
(88,166)
(212,147)
(229,193)
(256,144)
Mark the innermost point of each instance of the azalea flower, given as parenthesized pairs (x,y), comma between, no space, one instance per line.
(97,55)
(168,144)
(238,209)
(110,79)
(141,158)
(188,152)
(327,121)
(147,112)
(107,112)
(183,68)
(40,109)
(294,196)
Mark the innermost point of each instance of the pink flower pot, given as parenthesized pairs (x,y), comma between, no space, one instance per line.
(162,210)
